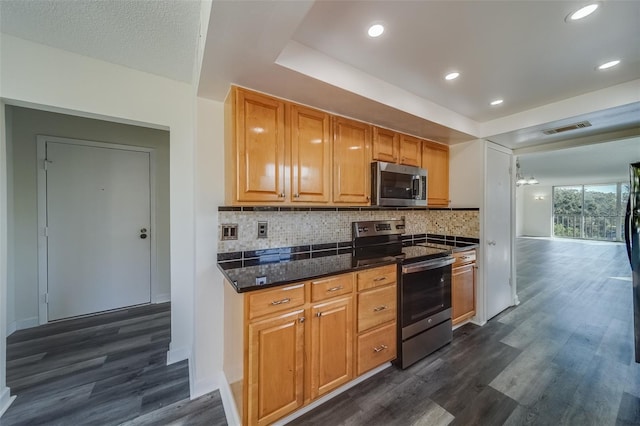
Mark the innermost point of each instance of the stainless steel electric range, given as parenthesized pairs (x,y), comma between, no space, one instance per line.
(424,286)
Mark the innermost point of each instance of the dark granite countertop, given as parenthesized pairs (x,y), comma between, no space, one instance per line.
(272,274)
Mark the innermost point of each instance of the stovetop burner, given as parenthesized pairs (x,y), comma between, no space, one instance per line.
(379,241)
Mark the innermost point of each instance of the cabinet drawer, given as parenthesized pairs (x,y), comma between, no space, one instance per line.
(276,300)
(377,277)
(376,307)
(331,287)
(464,257)
(376,347)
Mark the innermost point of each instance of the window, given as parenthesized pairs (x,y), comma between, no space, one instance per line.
(594,212)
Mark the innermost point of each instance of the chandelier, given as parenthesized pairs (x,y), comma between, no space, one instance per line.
(521,180)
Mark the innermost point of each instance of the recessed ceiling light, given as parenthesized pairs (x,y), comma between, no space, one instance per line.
(609,64)
(375,30)
(583,12)
(452,76)
(496,102)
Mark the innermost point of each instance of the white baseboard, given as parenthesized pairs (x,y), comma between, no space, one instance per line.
(330,395)
(177,355)
(5,400)
(22,324)
(204,386)
(228,403)
(161,298)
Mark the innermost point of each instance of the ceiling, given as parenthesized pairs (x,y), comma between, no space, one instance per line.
(155,36)
(318,53)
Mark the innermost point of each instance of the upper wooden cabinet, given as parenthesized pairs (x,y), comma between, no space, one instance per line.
(435,158)
(276,151)
(255,125)
(255,131)
(310,155)
(386,145)
(351,161)
(410,150)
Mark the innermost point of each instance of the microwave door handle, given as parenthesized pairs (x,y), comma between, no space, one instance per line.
(415,187)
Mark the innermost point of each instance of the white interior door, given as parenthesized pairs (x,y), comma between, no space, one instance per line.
(498,232)
(98,203)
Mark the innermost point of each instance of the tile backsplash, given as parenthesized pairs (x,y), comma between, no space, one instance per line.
(294,228)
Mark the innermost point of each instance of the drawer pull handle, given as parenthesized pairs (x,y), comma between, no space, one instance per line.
(335,288)
(280,302)
(380,348)
(380,279)
(379,308)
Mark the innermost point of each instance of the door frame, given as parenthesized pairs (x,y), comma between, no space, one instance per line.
(43,284)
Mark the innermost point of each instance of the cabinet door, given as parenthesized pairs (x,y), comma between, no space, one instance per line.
(435,158)
(463,293)
(260,144)
(410,150)
(310,155)
(331,345)
(275,378)
(351,161)
(385,145)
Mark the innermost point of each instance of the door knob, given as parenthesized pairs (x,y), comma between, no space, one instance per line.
(491,242)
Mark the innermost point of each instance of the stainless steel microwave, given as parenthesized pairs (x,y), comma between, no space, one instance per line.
(397,185)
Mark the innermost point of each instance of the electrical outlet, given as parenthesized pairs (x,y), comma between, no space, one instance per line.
(229,231)
(261,280)
(262,229)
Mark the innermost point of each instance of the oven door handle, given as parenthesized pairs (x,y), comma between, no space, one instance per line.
(428,264)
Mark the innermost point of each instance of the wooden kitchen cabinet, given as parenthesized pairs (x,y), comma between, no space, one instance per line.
(255,131)
(310,136)
(351,161)
(275,362)
(463,286)
(331,345)
(410,150)
(435,158)
(376,317)
(385,145)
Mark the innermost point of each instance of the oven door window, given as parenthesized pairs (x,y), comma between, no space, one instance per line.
(397,185)
(425,293)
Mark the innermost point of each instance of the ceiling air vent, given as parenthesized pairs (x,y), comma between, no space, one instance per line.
(580,125)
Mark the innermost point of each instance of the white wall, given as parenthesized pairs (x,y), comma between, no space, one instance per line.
(536,210)
(208,308)
(22,199)
(42,77)
(466,174)
(519,211)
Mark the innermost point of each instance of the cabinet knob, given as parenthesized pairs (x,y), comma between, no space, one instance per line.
(281,195)
(296,195)
(319,314)
(301,320)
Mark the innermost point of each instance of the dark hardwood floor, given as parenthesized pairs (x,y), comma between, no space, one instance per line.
(106,369)
(564,356)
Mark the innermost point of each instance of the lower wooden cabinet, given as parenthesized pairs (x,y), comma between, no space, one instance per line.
(376,347)
(275,381)
(331,345)
(286,346)
(463,287)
